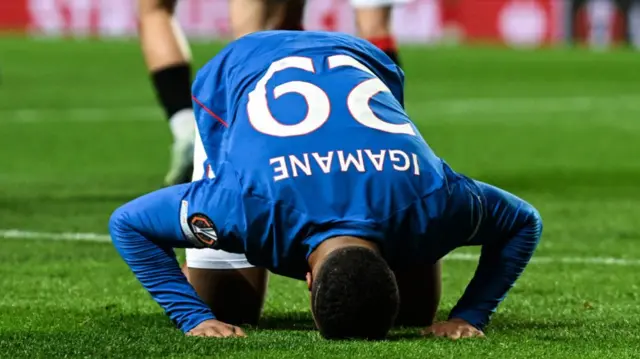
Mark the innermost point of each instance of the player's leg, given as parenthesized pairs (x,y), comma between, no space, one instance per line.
(420,289)
(625,7)
(249,16)
(232,287)
(373,23)
(286,14)
(168,60)
(575,7)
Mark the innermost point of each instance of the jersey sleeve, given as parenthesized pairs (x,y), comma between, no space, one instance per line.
(145,231)
(509,234)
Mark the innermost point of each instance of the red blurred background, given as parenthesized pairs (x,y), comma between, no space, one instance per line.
(513,22)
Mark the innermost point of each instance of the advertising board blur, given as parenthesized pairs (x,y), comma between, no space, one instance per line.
(528,23)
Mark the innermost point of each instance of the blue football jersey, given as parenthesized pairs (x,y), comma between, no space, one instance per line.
(308,138)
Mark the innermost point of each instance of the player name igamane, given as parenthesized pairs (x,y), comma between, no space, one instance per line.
(362,160)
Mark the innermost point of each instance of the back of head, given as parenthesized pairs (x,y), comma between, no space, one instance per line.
(354,295)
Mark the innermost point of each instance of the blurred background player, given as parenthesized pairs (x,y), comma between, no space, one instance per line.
(168,58)
(601,17)
(373,23)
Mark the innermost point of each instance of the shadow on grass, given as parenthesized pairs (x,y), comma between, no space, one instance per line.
(303,321)
(300,320)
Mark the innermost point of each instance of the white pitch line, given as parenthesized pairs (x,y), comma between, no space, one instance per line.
(502,105)
(462,106)
(65,236)
(17,234)
(81,114)
(565,260)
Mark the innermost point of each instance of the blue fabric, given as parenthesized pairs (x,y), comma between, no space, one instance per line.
(276,197)
(144,231)
(509,232)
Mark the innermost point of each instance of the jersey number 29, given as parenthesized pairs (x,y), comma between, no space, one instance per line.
(317,100)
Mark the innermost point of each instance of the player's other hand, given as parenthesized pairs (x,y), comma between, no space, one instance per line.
(454,328)
(217,329)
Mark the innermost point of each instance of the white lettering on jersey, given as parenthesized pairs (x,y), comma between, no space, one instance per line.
(324,162)
(303,165)
(300,165)
(281,169)
(377,160)
(258,109)
(318,113)
(319,106)
(358,99)
(395,157)
(344,164)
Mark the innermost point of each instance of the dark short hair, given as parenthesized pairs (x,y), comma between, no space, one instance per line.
(354,295)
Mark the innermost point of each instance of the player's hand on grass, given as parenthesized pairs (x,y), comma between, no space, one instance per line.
(454,328)
(217,329)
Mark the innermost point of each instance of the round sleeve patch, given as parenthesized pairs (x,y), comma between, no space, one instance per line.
(203,229)
(198,228)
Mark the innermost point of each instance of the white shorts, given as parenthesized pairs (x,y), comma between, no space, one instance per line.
(363,4)
(207,258)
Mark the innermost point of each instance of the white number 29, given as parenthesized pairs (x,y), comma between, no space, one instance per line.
(317,100)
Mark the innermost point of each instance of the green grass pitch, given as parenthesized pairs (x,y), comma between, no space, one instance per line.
(80,134)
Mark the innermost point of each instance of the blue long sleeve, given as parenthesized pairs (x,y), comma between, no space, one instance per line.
(144,231)
(509,234)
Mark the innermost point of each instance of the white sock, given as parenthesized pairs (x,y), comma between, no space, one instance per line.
(183,124)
